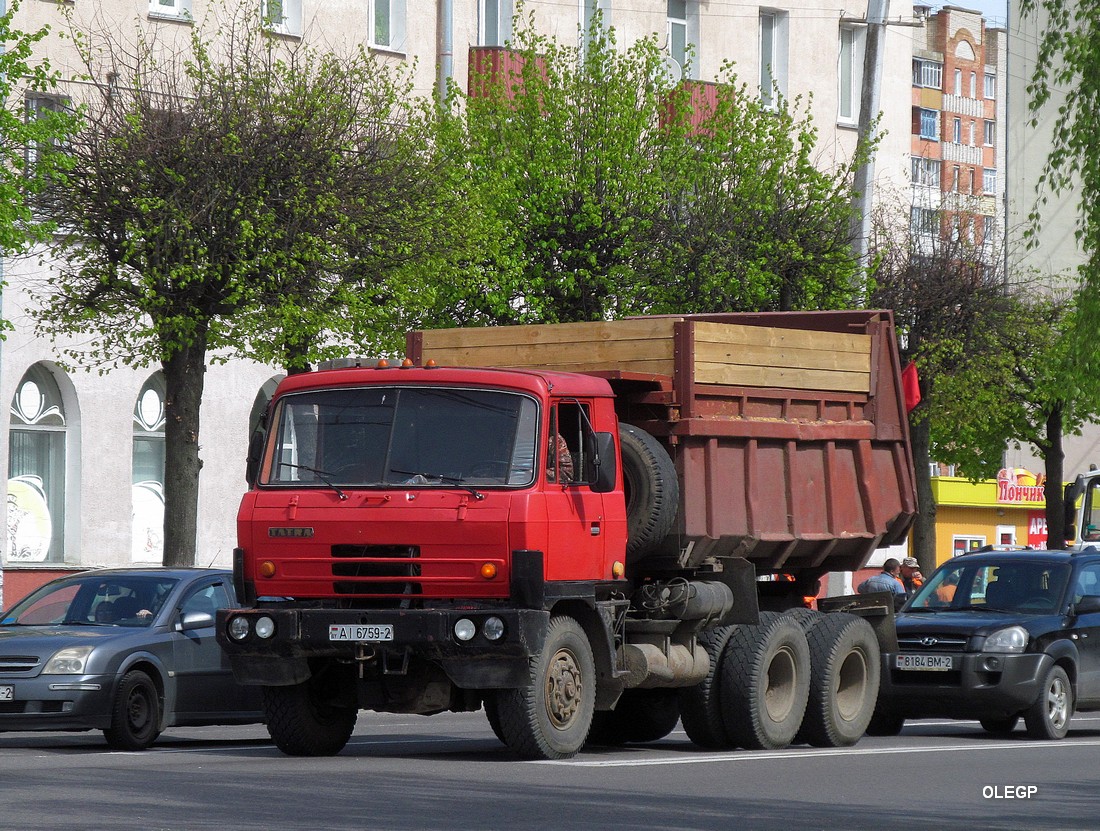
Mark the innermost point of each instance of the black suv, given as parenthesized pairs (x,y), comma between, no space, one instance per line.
(995,636)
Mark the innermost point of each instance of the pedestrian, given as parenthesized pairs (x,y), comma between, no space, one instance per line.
(887,580)
(911,576)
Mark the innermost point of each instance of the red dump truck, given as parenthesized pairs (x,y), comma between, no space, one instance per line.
(589,530)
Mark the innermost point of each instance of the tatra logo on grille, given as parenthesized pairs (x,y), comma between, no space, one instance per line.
(929,641)
(290,532)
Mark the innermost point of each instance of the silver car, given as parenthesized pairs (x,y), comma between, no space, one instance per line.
(126,651)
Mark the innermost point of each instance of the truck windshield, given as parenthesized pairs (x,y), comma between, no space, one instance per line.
(386,436)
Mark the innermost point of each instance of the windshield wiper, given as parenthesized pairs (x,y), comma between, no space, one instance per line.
(978,607)
(320,474)
(443,478)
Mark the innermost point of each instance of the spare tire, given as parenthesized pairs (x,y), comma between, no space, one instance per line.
(652,490)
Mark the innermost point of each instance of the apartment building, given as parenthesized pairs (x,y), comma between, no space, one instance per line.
(83,451)
(958,132)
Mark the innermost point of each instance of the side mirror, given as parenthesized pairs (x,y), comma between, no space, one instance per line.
(604,460)
(195,620)
(1087,604)
(255,453)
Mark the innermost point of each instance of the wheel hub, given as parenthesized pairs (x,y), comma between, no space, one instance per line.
(564,689)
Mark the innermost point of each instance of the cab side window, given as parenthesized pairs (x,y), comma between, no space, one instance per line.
(1088,583)
(572,461)
(207,599)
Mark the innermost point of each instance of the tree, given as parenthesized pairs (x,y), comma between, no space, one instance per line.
(241,197)
(608,190)
(29,163)
(948,300)
(1067,73)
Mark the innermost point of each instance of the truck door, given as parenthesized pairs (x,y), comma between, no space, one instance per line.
(576,545)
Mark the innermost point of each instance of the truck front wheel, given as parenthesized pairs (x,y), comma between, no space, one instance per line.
(306,719)
(765,682)
(549,718)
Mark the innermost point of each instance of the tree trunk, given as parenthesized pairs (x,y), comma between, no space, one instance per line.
(184,374)
(924,527)
(1055,459)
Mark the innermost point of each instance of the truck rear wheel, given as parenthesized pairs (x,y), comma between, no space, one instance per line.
(700,706)
(550,717)
(764,681)
(640,716)
(303,720)
(652,490)
(844,679)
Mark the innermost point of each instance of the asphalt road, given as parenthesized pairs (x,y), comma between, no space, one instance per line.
(449,772)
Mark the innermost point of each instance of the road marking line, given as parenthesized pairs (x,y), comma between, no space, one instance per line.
(814,753)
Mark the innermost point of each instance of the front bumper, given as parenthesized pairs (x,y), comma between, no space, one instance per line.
(57,702)
(301,635)
(982,685)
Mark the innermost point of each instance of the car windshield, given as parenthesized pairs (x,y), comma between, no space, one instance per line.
(379,436)
(1001,586)
(93,600)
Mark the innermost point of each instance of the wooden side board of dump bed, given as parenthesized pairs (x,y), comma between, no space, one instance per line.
(730,354)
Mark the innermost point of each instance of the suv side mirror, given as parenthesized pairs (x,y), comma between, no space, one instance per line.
(604,460)
(1087,604)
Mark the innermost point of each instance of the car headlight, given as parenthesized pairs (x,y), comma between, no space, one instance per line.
(71,660)
(1010,639)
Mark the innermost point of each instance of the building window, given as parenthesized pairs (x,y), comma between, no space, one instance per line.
(147,477)
(588,15)
(926,172)
(958,82)
(989,180)
(956,130)
(927,73)
(388,25)
(850,76)
(773,56)
(40,106)
(924,222)
(970,132)
(283,17)
(170,8)
(990,133)
(677,31)
(955,179)
(36,470)
(973,84)
(496,22)
(990,86)
(927,124)
(987,230)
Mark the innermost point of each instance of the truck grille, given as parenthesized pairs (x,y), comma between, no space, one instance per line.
(376,570)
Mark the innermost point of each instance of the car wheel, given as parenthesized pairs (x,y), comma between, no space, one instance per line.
(135,714)
(999,726)
(1048,717)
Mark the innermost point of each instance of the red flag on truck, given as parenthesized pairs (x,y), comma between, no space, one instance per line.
(910,386)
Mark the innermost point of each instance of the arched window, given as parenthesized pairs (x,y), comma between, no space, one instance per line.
(147,487)
(36,470)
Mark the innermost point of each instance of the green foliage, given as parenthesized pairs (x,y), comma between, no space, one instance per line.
(1067,71)
(20,181)
(603,189)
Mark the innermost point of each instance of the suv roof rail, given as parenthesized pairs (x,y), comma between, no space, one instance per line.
(1001,547)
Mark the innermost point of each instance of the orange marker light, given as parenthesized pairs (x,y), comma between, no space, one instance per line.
(267,569)
(382,363)
(488,570)
(618,570)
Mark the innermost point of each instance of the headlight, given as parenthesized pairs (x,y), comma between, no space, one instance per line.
(265,627)
(68,661)
(1011,639)
(493,629)
(465,629)
(238,628)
